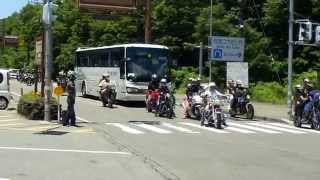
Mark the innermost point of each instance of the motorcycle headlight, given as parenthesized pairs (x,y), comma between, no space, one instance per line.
(248,96)
(132,90)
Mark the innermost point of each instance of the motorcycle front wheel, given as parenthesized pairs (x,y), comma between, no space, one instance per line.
(219,121)
(250,111)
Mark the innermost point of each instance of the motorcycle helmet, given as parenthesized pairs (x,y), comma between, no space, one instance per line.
(163,80)
(154,77)
(106,76)
(71,75)
(306,80)
(298,86)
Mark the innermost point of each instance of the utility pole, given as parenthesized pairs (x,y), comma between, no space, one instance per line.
(210,45)
(290,56)
(200,59)
(47,19)
(147,23)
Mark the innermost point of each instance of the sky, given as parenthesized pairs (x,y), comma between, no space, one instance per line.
(7,7)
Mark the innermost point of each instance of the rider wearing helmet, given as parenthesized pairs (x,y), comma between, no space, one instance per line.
(154,83)
(231,88)
(163,86)
(104,84)
(298,100)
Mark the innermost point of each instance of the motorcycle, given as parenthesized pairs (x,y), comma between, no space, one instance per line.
(242,107)
(166,104)
(152,98)
(197,105)
(312,118)
(108,96)
(213,114)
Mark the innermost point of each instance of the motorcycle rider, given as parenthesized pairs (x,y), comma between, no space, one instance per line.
(299,100)
(309,93)
(231,88)
(104,85)
(153,84)
(192,87)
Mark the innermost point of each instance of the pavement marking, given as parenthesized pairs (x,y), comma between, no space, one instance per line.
(205,128)
(244,131)
(185,130)
(152,128)
(292,127)
(14,124)
(41,128)
(83,120)
(4,116)
(126,128)
(66,150)
(9,120)
(278,128)
(254,128)
(4,179)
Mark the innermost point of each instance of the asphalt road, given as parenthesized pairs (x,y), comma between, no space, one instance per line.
(128,143)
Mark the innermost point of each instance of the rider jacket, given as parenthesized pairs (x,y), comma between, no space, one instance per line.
(104,84)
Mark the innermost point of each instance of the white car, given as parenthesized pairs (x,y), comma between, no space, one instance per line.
(5,95)
(14,73)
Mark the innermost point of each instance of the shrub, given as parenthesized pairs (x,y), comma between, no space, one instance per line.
(271,92)
(31,106)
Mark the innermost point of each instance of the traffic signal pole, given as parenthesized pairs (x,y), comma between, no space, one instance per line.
(147,28)
(290,57)
(48,60)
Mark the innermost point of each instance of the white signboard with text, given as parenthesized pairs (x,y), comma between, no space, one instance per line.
(238,71)
(227,49)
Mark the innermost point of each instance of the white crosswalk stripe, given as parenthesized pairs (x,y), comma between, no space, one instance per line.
(205,128)
(233,127)
(244,131)
(277,128)
(126,128)
(179,128)
(254,128)
(152,128)
(12,124)
(292,127)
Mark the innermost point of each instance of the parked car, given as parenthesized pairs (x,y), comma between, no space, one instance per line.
(5,95)
(14,73)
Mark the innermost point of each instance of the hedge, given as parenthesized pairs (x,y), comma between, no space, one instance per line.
(31,106)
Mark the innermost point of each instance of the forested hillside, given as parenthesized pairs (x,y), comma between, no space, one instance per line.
(177,24)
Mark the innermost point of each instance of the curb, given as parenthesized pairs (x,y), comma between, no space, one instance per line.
(280,120)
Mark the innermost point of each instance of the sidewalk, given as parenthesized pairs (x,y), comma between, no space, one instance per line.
(271,112)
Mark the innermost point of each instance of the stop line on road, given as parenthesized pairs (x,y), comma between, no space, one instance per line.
(193,128)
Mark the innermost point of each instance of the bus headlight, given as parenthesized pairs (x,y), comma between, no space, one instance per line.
(132,90)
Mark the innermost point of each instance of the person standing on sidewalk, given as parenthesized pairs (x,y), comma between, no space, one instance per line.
(71,89)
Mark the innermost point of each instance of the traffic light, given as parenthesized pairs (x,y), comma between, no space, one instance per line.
(318,35)
(305,31)
(48,16)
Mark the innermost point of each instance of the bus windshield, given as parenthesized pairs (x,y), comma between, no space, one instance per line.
(143,62)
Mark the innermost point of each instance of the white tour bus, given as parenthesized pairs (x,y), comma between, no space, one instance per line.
(130,67)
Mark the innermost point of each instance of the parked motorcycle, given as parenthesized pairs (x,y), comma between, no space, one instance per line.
(152,98)
(213,114)
(108,96)
(166,104)
(242,107)
(197,105)
(312,118)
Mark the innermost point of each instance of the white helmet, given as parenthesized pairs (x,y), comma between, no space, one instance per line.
(212,84)
(61,73)
(163,80)
(71,75)
(239,82)
(306,80)
(105,75)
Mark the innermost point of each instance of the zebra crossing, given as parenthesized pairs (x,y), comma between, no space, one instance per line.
(249,128)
